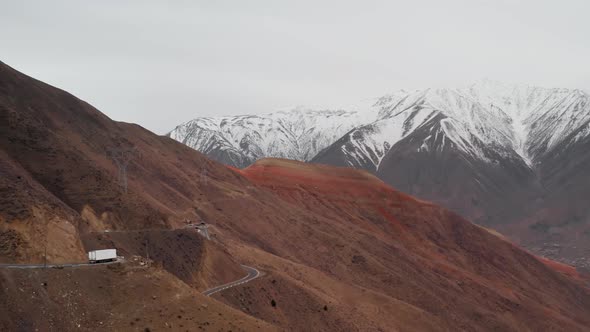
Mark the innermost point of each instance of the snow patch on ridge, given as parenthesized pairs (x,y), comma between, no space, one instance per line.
(513,121)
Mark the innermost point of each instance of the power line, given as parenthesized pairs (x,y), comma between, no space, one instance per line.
(122,157)
(204,176)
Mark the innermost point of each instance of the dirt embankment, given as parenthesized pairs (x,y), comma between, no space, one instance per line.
(183,252)
(33,222)
(111,298)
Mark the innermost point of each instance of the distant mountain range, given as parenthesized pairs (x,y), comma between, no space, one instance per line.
(513,157)
(298,134)
(336,248)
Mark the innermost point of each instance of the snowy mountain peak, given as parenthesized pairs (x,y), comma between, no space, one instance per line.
(511,118)
(484,120)
(299,133)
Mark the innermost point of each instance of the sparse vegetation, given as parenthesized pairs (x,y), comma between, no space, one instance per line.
(358,259)
(273,303)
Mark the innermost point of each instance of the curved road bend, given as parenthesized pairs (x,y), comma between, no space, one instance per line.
(252,274)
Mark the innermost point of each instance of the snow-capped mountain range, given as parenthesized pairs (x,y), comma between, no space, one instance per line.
(513,157)
(297,134)
(515,121)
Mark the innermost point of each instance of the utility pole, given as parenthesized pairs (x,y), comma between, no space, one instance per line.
(147,252)
(45,250)
(122,157)
(203,178)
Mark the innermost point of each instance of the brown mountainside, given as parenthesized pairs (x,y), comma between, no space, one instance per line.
(339,249)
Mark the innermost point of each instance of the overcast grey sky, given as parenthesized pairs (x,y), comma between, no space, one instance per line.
(160,63)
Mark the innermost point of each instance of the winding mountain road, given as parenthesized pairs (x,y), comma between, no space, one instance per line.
(252,274)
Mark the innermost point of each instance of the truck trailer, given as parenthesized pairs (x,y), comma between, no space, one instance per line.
(100,256)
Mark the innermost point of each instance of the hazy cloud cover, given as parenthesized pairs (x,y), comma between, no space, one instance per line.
(159,63)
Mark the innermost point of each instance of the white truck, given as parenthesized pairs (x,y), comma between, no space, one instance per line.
(104,255)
